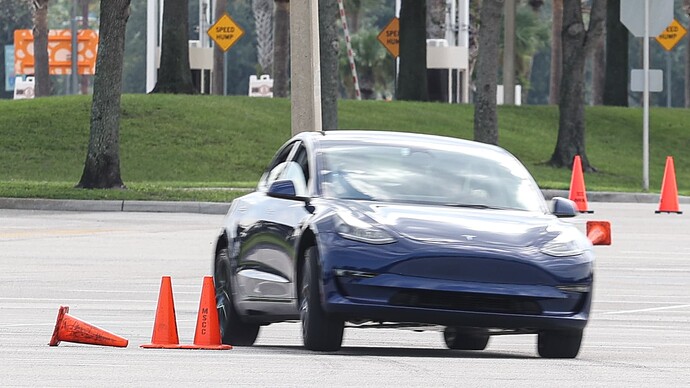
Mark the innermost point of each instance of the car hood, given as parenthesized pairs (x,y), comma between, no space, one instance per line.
(445,224)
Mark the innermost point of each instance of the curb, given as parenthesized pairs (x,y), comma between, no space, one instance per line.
(223,207)
(610,196)
(114,206)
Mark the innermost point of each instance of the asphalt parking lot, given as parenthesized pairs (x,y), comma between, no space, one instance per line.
(107,266)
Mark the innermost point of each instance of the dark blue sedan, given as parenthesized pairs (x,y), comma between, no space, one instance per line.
(389,229)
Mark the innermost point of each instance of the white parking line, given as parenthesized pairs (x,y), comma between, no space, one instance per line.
(647,309)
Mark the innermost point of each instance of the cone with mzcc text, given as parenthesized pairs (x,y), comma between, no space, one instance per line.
(668,202)
(207,335)
(165,326)
(578,193)
(71,329)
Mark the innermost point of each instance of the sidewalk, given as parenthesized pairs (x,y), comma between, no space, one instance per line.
(222,207)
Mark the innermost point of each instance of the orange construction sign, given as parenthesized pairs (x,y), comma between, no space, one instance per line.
(59,51)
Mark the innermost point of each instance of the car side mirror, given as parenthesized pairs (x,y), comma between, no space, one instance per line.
(285,189)
(282,189)
(563,207)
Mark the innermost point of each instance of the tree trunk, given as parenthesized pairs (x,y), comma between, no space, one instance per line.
(218,86)
(329,47)
(598,73)
(174,74)
(356,7)
(577,44)
(84,79)
(485,116)
(102,166)
(436,19)
(687,72)
(263,20)
(556,52)
(41,65)
(412,78)
(686,8)
(616,79)
(281,49)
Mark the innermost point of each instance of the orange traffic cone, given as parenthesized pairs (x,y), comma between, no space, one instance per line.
(668,203)
(599,232)
(165,326)
(71,329)
(578,194)
(207,334)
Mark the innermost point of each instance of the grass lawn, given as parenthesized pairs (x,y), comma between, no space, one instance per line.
(196,148)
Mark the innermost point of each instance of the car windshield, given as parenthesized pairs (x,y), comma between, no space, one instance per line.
(442,175)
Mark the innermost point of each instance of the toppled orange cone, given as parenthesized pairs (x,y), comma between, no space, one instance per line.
(165,326)
(71,329)
(578,193)
(668,202)
(207,334)
(599,232)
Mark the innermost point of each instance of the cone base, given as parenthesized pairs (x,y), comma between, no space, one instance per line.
(668,211)
(207,347)
(586,211)
(160,346)
(54,341)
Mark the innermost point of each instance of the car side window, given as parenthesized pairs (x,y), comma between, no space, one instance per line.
(297,170)
(276,167)
(293,172)
(302,159)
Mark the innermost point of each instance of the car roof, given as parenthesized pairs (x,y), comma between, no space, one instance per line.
(392,138)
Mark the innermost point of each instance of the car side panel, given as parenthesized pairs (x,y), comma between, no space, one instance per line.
(264,254)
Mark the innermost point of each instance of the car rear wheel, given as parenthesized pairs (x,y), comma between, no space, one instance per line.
(465,338)
(319,331)
(559,343)
(232,329)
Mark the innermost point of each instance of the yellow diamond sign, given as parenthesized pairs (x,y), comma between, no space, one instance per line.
(671,35)
(225,32)
(390,37)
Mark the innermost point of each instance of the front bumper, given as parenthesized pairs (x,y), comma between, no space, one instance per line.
(457,287)
(392,298)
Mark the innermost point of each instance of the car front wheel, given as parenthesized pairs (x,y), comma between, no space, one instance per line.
(559,343)
(319,331)
(232,329)
(465,338)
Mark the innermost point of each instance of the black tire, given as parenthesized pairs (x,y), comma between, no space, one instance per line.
(559,343)
(319,331)
(465,338)
(233,330)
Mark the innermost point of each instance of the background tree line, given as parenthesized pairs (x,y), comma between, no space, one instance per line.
(578,47)
(366,18)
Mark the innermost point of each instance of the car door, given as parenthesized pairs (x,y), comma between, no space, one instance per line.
(267,239)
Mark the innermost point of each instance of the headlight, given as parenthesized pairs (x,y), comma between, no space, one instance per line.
(351,227)
(568,243)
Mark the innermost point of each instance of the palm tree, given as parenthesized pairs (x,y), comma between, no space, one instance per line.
(217,88)
(281,48)
(686,8)
(616,78)
(263,19)
(174,74)
(329,48)
(485,116)
(556,51)
(41,65)
(412,78)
